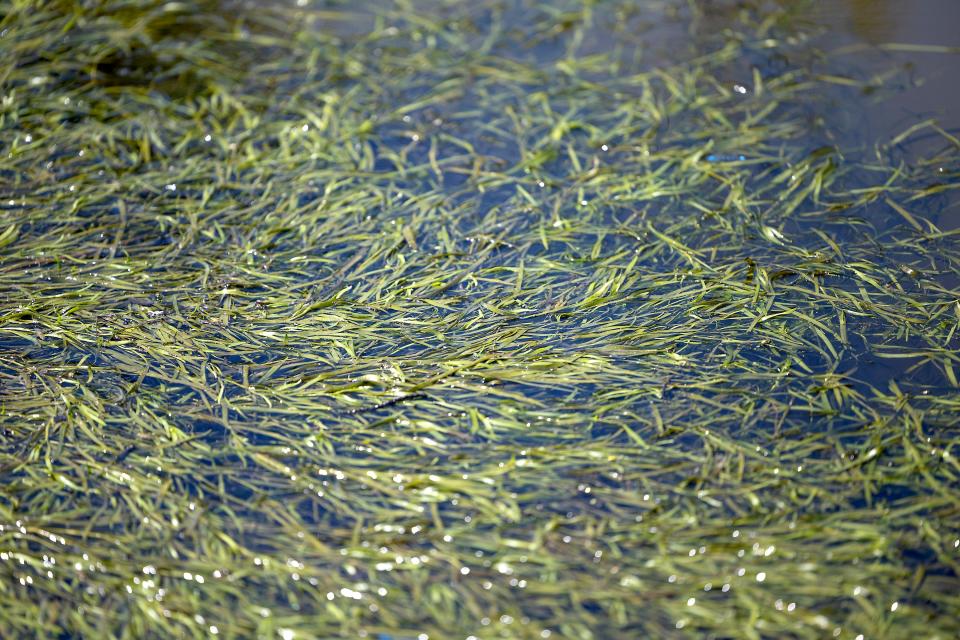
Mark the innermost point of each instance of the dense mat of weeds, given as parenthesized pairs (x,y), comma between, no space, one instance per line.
(467,320)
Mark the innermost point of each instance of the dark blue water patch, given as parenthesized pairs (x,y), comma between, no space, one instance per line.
(405,348)
(10,342)
(256,357)
(869,372)
(305,198)
(886,495)
(459,118)
(10,380)
(769,63)
(12,179)
(925,558)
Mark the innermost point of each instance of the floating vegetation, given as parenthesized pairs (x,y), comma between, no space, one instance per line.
(479,320)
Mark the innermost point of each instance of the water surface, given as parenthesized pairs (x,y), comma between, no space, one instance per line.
(490,320)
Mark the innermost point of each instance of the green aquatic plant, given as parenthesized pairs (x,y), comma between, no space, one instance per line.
(490,320)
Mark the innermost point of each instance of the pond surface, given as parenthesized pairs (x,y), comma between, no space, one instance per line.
(912,36)
(502,319)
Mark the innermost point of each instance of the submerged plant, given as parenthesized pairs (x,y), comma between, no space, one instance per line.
(481,320)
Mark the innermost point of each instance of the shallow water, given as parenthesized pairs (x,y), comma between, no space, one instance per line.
(914,30)
(490,320)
